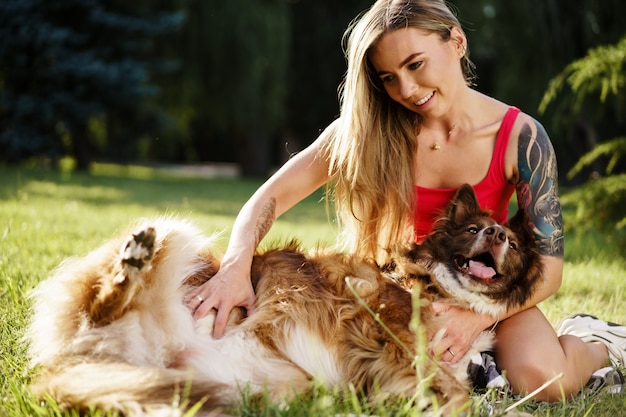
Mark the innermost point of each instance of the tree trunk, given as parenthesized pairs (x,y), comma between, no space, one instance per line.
(80,148)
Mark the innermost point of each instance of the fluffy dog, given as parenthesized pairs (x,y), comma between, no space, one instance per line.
(111,329)
(473,263)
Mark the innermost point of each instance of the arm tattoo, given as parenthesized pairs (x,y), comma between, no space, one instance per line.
(537,188)
(265,220)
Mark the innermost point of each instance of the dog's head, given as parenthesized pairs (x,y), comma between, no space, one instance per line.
(474,258)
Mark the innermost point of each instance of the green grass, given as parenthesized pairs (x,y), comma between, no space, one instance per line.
(46,216)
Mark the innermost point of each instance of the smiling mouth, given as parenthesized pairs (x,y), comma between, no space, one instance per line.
(481,266)
(425,99)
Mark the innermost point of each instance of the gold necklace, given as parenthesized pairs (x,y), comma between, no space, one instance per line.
(435,146)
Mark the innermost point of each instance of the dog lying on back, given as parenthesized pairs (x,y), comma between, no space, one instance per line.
(112,330)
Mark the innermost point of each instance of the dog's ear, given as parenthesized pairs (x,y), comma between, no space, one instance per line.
(463,205)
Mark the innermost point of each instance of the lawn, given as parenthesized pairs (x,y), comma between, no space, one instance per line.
(46,216)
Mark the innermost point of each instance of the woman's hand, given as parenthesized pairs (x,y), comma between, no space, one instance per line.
(461,329)
(229,288)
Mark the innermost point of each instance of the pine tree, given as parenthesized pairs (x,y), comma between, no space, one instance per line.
(67,63)
(593,79)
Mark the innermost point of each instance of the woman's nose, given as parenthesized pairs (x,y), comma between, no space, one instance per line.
(407,88)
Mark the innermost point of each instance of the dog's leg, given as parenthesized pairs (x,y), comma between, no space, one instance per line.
(117,289)
(136,254)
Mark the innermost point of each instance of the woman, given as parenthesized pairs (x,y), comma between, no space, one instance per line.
(411,131)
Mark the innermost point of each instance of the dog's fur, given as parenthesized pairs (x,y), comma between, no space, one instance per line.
(473,263)
(112,330)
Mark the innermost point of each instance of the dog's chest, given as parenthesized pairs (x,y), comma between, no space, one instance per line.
(463,290)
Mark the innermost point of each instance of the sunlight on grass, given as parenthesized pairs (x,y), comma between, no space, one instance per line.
(46,216)
(123,171)
(596,287)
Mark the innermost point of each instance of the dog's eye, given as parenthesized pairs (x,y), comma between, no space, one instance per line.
(512,244)
(472,229)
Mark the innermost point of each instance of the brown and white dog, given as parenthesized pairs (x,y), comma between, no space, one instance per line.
(111,329)
(473,263)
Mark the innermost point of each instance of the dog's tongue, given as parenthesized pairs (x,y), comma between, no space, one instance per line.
(480,270)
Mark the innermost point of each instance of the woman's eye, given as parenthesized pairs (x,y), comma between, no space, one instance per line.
(415,65)
(387,79)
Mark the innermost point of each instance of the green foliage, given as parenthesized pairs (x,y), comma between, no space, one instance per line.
(236,80)
(259,74)
(241,59)
(600,201)
(613,149)
(599,204)
(135,81)
(47,216)
(64,63)
(602,71)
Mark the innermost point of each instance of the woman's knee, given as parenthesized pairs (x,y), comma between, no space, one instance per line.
(528,376)
(528,348)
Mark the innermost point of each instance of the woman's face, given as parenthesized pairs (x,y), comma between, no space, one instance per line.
(419,70)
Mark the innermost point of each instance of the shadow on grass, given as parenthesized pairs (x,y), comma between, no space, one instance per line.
(158,192)
(114,185)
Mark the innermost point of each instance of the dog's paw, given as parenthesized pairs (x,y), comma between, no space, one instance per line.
(137,252)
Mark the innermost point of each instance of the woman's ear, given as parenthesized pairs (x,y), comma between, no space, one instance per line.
(459,41)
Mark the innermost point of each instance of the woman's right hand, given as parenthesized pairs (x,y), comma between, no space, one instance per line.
(229,288)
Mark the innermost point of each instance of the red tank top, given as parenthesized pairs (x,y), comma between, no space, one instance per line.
(494,191)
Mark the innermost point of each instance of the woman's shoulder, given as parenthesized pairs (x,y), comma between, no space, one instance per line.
(529,129)
(525,134)
(493,111)
(527,118)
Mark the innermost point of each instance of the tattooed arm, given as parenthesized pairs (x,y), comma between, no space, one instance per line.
(531,166)
(537,188)
(231,286)
(536,179)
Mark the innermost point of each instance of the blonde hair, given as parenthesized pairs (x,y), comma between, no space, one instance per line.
(372,147)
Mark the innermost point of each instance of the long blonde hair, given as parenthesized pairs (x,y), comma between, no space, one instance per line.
(372,149)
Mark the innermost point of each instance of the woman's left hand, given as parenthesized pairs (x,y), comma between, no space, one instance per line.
(461,329)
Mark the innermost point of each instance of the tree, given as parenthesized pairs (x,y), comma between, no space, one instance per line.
(259,79)
(598,76)
(64,64)
(235,56)
(316,65)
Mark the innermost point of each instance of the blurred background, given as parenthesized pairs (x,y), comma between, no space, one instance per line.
(250,82)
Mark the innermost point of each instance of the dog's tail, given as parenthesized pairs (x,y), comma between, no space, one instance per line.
(129,389)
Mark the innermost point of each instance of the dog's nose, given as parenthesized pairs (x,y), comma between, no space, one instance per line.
(496,234)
